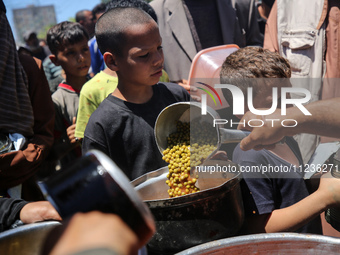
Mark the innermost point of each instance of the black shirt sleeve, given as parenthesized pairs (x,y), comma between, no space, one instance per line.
(9,211)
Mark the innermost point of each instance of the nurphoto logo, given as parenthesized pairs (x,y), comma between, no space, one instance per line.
(239,99)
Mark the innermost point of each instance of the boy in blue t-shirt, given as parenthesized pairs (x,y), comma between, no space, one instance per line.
(123,124)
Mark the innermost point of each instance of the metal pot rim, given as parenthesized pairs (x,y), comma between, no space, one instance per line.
(209,247)
(189,198)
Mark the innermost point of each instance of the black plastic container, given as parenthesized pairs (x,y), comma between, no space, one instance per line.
(94,182)
(332,215)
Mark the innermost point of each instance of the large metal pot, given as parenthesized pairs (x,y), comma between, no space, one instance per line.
(269,244)
(27,239)
(213,213)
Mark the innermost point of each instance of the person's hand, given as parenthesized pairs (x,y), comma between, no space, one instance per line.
(184,84)
(38,211)
(71,131)
(96,230)
(330,188)
(263,137)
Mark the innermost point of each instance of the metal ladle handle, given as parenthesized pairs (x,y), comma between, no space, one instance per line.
(236,135)
(232,135)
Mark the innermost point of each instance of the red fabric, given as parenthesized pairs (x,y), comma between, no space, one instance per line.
(69,87)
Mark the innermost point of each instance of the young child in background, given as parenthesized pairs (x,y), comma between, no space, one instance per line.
(274,201)
(68,44)
(123,124)
(105,82)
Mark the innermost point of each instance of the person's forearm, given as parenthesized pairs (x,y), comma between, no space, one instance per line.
(293,217)
(323,121)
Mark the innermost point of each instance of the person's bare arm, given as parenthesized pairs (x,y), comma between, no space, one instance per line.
(323,121)
(92,230)
(295,216)
(38,211)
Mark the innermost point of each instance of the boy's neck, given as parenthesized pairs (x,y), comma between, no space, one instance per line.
(110,72)
(136,95)
(76,82)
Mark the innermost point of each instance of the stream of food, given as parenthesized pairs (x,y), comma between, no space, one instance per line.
(188,147)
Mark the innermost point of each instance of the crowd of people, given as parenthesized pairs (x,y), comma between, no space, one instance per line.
(100,83)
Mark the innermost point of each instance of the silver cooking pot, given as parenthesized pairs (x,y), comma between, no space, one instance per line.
(269,244)
(182,222)
(27,239)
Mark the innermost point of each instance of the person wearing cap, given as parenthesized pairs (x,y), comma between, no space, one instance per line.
(33,44)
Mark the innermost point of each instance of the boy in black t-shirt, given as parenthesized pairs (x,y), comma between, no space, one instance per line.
(123,125)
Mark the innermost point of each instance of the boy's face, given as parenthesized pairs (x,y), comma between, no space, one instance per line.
(264,98)
(75,59)
(142,57)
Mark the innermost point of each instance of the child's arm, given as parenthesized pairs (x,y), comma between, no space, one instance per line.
(295,216)
(62,143)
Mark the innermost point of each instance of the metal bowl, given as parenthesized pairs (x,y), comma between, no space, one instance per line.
(27,239)
(269,244)
(213,213)
(188,112)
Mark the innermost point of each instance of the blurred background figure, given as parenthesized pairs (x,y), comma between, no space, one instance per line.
(97,11)
(192,25)
(27,117)
(33,44)
(85,18)
(97,61)
(54,74)
(263,8)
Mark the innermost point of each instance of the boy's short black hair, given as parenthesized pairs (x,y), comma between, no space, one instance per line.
(244,67)
(63,34)
(141,4)
(111,27)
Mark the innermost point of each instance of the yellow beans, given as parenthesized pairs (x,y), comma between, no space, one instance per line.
(182,157)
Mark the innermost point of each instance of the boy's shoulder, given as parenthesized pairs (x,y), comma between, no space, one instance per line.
(64,90)
(252,156)
(65,95)
(175,90)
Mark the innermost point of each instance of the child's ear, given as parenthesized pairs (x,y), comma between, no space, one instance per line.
(54,59)
(110,61)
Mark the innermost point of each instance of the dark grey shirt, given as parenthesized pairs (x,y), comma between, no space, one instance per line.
(125,131)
